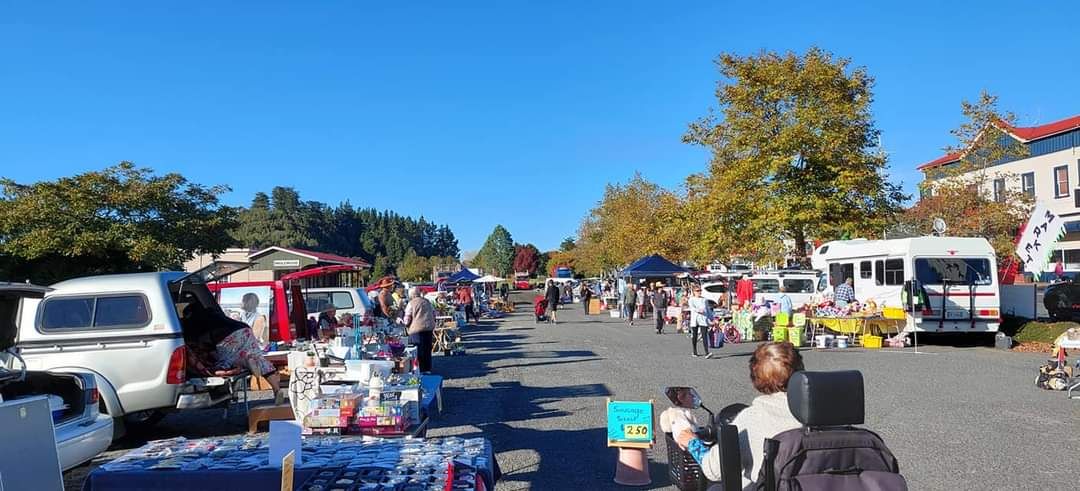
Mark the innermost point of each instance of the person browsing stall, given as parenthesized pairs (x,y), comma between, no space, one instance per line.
(659,305)
(785,303)
(465,298)
(553,296)
(629,302)
(771,365)
(845,293)
(420,322)
(328,322)
(386,297)
(700,320)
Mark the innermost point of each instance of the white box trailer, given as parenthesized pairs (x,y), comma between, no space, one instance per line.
(951,282)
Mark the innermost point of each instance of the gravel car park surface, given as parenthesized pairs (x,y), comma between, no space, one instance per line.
(956,418)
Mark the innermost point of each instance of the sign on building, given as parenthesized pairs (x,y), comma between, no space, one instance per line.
(286,263)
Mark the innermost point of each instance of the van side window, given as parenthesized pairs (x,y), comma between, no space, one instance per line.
(894,271)
(114,311)
(864,270)
(799,286)
(838,272)
(766,286)
(879,272)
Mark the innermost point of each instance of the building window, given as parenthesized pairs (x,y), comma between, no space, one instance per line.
(1027,184)
(999,189)
(1061,181)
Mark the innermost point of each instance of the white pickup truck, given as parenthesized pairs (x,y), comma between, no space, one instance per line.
(127,332)
(81,431)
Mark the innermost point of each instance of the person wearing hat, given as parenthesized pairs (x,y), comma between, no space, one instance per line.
(386,297)
(659,305)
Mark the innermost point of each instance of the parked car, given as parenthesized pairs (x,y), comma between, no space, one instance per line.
(127,331)
(344,300)
(81,431)
(715,292)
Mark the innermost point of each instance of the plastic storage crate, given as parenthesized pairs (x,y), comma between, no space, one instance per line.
(684,471)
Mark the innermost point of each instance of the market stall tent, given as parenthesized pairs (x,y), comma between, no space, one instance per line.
(653,266)
(488,279)
(463,276)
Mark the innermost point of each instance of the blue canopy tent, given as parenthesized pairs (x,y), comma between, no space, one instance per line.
(654,266)
(463,276)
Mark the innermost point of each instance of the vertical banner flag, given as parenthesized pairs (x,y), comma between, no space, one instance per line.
(1041,234)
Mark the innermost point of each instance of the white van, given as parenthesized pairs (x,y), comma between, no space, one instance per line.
(344,300)
(951,282)
(800,286)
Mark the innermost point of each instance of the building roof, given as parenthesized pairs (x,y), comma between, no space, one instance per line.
(323,257)
(1023,133)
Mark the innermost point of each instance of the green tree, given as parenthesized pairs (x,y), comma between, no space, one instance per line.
(283,219)
(567,244)
(793,156)
(962,193)
(120,219)
(497,253)
(414,268)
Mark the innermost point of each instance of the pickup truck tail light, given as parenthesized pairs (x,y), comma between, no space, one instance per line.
(177,367)
(94,397)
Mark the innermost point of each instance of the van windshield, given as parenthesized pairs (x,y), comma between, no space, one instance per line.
(955,270)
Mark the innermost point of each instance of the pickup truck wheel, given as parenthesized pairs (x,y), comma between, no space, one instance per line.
(143,419)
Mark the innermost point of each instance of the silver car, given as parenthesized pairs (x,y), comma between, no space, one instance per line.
(81,431)
(126,331)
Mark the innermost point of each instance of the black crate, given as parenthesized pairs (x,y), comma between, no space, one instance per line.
(684,471)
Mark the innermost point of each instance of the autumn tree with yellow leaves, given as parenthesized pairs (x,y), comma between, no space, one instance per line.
(794,156)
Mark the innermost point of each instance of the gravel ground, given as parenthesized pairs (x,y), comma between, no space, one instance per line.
(956,418)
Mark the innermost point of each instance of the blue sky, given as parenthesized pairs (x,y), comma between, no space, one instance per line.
(474,114)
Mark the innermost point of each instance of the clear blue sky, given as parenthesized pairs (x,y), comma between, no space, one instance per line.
(475,114)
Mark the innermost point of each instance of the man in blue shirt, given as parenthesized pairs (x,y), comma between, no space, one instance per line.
(845,293)
(785,304)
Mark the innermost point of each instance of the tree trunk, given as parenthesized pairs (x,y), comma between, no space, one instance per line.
(800,246)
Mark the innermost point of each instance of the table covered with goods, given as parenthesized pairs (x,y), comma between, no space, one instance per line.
(325,463)
(857,324)
(364,381)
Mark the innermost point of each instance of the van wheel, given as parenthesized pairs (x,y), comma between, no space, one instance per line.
(143,419)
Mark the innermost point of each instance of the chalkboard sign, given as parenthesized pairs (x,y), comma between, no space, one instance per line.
(630,424)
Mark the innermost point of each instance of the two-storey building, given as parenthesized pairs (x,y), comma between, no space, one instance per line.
(1049,172)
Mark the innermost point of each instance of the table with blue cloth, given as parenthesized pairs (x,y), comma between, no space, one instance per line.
(196,464)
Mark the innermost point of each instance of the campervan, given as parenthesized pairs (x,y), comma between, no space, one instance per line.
(946,284)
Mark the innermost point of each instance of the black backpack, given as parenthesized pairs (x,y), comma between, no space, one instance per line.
(828,453)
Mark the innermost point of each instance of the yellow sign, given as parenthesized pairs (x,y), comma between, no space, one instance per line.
(640,431)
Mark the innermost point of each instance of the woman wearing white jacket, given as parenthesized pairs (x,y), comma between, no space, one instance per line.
(701,316)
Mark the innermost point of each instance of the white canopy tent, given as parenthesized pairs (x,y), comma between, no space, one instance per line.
(488,279)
